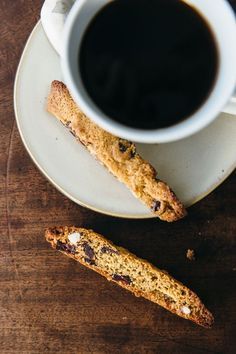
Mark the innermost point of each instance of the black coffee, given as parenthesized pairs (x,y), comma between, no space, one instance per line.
(148,63)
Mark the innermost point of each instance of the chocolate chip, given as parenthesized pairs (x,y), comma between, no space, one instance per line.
(156,205)
(124,278)
(89,261)
(56,231)
(65,247)
(67,123)
(108,250)
(132,153)
(168,299)
(122,147)
(88,250)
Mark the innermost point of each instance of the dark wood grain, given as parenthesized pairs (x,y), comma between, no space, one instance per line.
(50,304)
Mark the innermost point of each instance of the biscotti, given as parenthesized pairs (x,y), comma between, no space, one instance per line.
(119,156)
(130,272)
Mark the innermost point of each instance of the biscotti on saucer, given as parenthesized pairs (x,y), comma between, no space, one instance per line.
(119,156)
(132,273)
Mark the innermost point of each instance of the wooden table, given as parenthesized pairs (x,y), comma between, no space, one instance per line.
(49,303)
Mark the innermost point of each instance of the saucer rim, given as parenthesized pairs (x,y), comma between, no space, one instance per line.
(38,26)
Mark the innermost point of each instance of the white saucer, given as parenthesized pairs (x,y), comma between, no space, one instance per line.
(193,167)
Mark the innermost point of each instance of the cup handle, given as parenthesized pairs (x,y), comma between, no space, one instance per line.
(230,107)
(53,16)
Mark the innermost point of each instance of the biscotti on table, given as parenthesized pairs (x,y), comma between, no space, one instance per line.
(119,156)
(132,273)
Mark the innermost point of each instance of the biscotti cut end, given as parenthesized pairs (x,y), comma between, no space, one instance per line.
(132,273)
(119,156)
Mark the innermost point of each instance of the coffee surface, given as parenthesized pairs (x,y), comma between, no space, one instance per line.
(148,64)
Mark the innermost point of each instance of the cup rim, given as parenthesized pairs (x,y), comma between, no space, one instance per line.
(198,120)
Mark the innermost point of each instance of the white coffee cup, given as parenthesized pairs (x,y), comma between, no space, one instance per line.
(221,20)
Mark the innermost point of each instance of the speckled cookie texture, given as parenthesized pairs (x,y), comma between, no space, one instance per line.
(132,273)
(119,156)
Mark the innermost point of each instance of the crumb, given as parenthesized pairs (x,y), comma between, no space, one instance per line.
(200,234)
(190,255)
(234,269)
(223,171)
(124,318)
(208,221)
